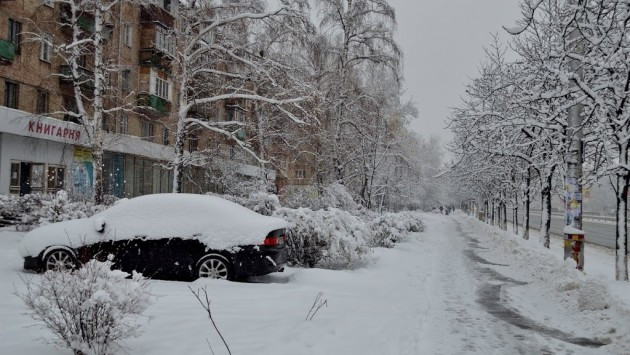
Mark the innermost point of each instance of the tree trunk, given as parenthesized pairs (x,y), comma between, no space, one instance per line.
(493,211)
(546,212)
(526,205)
(621,237)
(505,219)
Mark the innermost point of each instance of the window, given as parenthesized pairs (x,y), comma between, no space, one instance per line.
(122,128)
(15,178)
(165,135)
(15,30)
(37,177)
(163,41)
(55,178)
(82,61)
(147,130)
(127,34)
(42,101)
(167,5)
(230,113)
(300,174)
(45,49)
(193,144)
(162,88)
(11,94)
(70,106)
(48,3)
(126,79)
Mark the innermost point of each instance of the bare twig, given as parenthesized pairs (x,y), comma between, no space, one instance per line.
(205,303)
(317,304)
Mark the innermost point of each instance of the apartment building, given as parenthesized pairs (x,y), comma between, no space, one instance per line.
(43,149)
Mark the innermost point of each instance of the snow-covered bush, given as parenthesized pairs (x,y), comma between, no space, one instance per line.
(89,310)
(391,228)
(259,202)
(329,238)
(31,211)
(334,195)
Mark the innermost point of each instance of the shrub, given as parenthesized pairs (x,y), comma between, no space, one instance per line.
(30,211)
(89,310)
(391,228)
(259,202)
(329,238)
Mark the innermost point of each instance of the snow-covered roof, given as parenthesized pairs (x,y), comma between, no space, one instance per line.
(218,223)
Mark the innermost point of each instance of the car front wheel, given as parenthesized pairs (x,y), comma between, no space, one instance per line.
(215,266)
(58,260)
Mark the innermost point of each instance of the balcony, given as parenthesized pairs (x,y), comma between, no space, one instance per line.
(85,21)
(7,52)
(153,104)
(86,77)
(150,57)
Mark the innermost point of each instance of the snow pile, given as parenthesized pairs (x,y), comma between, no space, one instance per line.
(391,228)
(90,310)
(329,238)
(579,301)
(593,295)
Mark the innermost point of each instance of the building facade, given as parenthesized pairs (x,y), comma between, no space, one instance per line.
(44,149)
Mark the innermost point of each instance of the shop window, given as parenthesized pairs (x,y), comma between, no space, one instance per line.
(42,101)
(129,176)
(11,94)
(56,177)
(15,178)
(37,178)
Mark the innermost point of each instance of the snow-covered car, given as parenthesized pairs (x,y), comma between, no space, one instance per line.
(166,236)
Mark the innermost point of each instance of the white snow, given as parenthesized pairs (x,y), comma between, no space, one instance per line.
(572,230)
(420,297)
(218,223)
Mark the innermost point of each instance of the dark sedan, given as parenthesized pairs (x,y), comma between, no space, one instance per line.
(167,236)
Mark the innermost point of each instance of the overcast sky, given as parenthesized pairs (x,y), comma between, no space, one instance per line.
(443,44)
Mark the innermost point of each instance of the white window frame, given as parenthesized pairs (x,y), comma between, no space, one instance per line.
(127,34)
(300,174)
(124,124)
(163,40)
(162,88)
(45,48)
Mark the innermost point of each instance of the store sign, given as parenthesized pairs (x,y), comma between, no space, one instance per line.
(53,130)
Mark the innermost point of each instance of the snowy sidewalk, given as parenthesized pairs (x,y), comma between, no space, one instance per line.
(433,294)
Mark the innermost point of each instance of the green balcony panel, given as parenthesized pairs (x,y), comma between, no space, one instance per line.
(157,103)
(7,51)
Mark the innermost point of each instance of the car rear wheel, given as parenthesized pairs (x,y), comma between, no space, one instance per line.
(215,266)
(59,260)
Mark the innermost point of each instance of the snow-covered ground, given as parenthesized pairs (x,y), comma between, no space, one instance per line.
(434,294)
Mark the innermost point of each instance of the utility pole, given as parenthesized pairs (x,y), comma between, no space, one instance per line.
(573,233)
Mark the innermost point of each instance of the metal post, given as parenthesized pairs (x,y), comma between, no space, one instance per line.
(573,233)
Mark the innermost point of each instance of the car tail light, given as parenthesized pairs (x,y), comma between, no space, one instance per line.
(272,241)
(275,240)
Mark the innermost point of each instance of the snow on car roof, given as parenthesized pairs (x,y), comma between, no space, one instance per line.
(218,223)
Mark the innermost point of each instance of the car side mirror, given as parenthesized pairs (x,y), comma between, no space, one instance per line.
(99,225)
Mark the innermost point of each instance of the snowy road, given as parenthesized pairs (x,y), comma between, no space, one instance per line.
(442,292)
